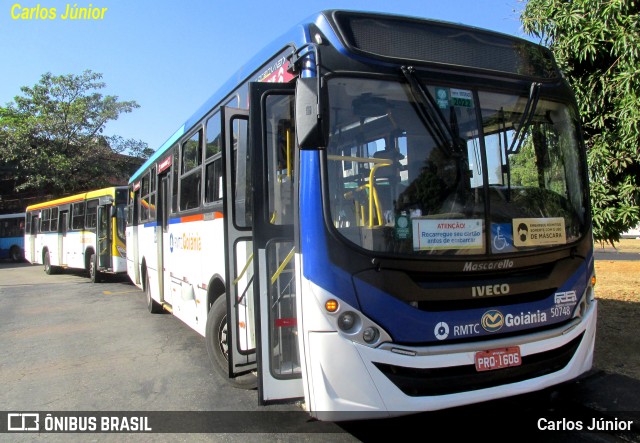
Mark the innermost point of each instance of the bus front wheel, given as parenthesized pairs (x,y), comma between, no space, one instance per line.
(153,306)
(16,254)
(48,269)
(217,345)
(94,273)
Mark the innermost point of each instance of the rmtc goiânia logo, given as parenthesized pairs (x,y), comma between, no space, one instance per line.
(492,321)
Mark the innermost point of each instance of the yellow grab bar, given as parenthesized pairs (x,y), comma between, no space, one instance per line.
(235,282)
(373,194)
(283,265)
(349,158)
(275,275)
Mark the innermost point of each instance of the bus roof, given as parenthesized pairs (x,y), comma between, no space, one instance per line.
(77,197)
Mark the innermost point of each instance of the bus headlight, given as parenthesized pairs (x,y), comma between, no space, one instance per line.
(587,298)
(347,321)
(370,334)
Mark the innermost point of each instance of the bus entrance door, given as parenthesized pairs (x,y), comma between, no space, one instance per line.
(162,234)
(63,226)
(103,234)
(273,175)
(33,230)
(240,334)
(135,197)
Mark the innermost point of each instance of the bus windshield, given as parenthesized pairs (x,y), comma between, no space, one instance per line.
(471,172)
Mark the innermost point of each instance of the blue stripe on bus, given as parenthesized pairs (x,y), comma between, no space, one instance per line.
(410,325)
(317,265)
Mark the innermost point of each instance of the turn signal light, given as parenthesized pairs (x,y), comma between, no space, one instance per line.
(593,280)
(331,305)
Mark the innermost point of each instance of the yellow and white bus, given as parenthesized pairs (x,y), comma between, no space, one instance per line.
(83,231)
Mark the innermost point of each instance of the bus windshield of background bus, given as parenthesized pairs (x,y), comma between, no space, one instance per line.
(396,187)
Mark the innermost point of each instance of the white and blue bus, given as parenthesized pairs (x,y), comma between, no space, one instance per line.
(12,236)
(378,215)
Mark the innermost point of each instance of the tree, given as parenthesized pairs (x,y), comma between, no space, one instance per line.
(52,136)
(597,45)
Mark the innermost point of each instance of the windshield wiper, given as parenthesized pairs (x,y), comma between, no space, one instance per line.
(430,113)
(527,116)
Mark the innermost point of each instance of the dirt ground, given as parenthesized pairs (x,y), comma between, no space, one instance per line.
(618,293)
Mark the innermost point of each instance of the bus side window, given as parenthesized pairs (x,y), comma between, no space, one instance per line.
(190,182)
(77,217)
(214,177)
(53,226)
(91,214)
(44,227)
(152,195)
(213,161)
(190,191)
(144,199)
(175,168)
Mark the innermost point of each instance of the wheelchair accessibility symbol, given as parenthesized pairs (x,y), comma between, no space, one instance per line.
(499,241)
(501,237)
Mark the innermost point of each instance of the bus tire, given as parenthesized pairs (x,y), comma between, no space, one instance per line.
(94,274)
(216,340)
(48,269)
(153,306)
(16,254)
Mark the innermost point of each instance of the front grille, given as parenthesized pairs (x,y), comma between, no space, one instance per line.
(442,381)
(475,303)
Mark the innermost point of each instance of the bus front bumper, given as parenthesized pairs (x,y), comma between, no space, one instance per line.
(351,381)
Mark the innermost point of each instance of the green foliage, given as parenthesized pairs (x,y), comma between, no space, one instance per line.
(597,45)
(52,135)
(522,166)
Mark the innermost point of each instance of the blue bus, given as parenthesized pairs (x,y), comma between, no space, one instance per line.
(12,236)
(377,215)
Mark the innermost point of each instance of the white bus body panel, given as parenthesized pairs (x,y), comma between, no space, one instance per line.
(119,264)
(193,255)
(132,244)
(74,249)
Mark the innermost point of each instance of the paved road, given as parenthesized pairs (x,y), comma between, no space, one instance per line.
(607,252)
(69,345)
(615,255)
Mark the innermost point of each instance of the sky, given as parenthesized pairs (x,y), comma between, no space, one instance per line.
(170,56)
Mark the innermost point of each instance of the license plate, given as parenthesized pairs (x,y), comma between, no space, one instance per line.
(498,358)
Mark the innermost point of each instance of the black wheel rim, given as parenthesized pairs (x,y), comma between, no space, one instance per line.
(223,343)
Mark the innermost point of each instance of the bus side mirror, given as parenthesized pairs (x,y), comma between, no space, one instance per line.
(113,211)
(309,114)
